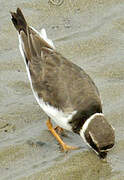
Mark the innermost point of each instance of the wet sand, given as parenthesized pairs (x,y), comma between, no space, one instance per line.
(89,33)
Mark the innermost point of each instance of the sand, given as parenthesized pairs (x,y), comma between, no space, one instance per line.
(90,34)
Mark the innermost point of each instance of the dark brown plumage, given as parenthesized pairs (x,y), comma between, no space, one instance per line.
(19,21)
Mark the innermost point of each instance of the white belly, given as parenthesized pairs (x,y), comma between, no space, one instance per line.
(59,117)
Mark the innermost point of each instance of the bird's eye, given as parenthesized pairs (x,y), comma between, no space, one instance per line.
(92,144)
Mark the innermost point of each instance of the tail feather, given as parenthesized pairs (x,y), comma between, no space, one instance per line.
(31,43)
(19,20)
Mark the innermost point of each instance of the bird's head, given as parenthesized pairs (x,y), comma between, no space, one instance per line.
(98,134)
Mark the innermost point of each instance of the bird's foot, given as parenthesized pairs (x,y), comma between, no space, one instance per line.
(65,147)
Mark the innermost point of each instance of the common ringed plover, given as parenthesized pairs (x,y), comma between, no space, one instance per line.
(63,90)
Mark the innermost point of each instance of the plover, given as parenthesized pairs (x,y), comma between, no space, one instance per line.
(63,90)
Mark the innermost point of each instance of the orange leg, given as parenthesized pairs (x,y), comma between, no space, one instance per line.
(52,130)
